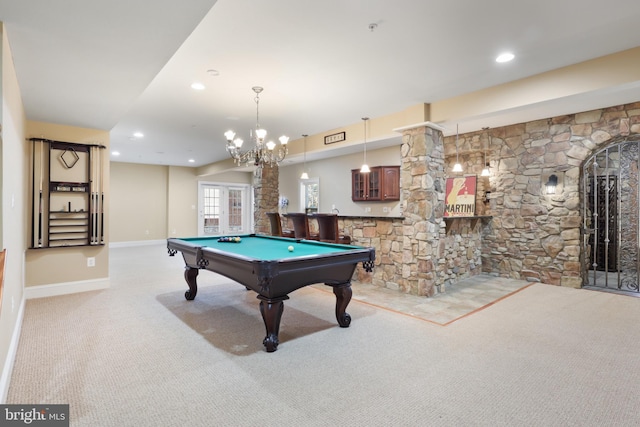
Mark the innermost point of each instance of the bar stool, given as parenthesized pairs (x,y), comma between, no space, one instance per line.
(276,225)
(300,223)
(328,229)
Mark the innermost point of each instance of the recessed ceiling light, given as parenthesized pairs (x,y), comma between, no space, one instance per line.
(115,153)
(213,73)
(138,134)
(197,86)
(191,161)
(505,57)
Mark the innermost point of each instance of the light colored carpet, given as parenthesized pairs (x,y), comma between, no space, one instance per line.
(139,354)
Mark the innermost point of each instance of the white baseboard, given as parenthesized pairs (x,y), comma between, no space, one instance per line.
(42,291)
(5,378)
(136,243)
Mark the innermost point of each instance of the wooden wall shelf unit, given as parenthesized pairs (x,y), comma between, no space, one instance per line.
(380,185)
(67,194)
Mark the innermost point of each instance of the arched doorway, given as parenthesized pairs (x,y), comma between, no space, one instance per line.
(611,217)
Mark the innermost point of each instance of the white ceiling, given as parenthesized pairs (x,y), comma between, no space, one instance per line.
(127,65)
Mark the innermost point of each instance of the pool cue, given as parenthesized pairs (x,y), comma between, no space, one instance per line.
(93,197)
(97,188)
(33,207)
(90,213)
(33,204)
(100,165)
(40,219)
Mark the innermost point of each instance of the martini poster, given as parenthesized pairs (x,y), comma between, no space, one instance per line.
(460,199)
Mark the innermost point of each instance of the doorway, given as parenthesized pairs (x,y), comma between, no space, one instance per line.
(223,209)
(611,218)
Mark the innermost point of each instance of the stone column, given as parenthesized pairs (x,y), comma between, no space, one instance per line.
(423,189)
(265,192)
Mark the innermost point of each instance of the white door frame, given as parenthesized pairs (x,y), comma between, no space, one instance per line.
(225,186)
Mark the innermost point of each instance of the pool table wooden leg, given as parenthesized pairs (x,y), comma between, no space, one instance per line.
(190,275)
(343,294)
(271,310)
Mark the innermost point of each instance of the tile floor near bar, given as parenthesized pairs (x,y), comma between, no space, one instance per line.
(459,300)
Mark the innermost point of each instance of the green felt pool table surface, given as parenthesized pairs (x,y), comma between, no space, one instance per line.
(269,248)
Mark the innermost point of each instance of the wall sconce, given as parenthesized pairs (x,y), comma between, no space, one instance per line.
(551,184)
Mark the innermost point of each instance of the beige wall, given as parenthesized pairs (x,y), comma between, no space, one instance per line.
(586,77)
(66,265)
(138,202)
(150,202)
(182,206)
(13,189)
(378,128)
(334,176)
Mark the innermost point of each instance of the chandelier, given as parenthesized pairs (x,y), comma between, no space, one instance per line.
(263,152)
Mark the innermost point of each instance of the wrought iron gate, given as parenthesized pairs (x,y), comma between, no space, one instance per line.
(611,218)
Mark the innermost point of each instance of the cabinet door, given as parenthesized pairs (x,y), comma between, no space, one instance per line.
(390,183)
(359,185)
(375,184)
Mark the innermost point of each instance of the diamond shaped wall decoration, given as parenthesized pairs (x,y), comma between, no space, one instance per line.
(69,157)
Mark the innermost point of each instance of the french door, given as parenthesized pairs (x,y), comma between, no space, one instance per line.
(223,209)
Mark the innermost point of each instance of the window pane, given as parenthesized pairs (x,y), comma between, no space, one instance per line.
(235,210)
(312,190)
(211,205)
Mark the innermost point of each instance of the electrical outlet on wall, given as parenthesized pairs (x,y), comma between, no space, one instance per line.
(91,262)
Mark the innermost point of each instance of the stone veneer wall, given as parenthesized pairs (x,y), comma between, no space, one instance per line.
(416,254)
(422,185)
(265,197)
(383,234)
(532,235)
(459,252)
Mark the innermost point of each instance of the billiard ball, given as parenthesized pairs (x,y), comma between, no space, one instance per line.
(290,248)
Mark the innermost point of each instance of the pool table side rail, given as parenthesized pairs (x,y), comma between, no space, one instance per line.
(194,240)
(274,279)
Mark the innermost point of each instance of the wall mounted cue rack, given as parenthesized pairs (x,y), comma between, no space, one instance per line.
(67,198)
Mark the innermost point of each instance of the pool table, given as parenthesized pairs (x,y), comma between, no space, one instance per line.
(265,264)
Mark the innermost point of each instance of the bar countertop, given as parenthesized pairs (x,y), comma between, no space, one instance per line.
(369,217)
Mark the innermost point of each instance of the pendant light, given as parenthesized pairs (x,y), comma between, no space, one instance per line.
(365,166)
(305,175)
(486,171)
(457,167)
